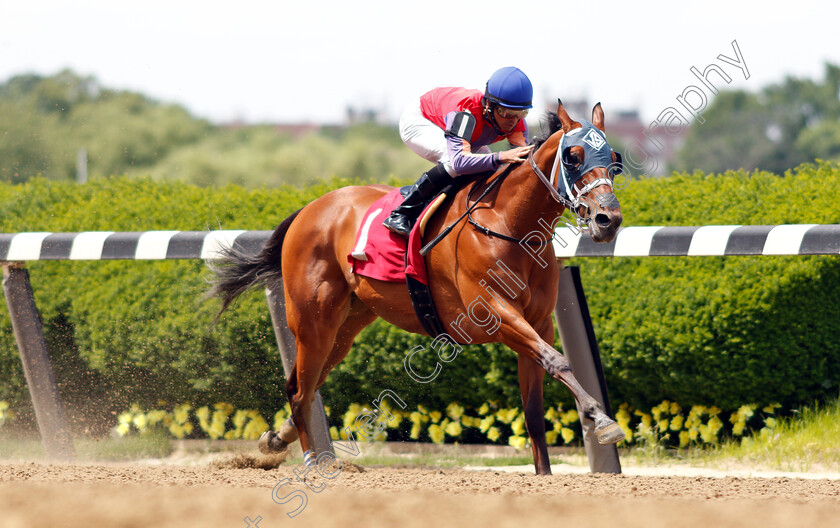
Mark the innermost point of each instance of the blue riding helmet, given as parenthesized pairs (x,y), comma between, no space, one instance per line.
(510,87)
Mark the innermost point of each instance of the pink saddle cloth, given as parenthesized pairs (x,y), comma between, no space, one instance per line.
(379,253)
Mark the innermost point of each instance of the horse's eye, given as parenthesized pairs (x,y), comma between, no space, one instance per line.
(617,166)
(572,160)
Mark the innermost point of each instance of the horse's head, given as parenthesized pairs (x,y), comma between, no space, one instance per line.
(583,169)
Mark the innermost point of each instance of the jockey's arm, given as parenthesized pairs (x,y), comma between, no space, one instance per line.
(464,160)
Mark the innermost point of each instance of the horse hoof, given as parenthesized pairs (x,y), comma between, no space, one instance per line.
(271,444)
(610,434)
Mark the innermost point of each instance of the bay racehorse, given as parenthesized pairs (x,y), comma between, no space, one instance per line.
(327,304)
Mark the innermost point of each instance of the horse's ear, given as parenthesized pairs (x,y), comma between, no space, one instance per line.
(565,120)
(598,117)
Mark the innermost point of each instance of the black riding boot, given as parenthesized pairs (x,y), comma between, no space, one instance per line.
(430,183)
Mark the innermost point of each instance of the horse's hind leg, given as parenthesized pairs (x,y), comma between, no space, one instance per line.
(312,364)
(359,317)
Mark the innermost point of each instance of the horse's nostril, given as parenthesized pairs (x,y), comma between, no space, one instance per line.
(602,220)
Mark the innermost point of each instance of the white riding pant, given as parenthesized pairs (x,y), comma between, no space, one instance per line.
(426,138)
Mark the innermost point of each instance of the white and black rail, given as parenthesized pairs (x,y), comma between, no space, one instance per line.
(571,312)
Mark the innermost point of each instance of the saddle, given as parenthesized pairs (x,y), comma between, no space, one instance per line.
(382,255)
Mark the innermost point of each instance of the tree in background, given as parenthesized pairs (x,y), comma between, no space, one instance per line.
(46,120)
(775,129)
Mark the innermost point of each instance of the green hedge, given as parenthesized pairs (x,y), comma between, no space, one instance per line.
(721,331)
(701,330)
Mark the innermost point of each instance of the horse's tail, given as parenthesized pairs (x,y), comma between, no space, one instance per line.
(236,271)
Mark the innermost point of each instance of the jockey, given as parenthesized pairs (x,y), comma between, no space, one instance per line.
(453,127)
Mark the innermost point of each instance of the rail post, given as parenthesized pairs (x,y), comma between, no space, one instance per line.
(581,349)
(319,428)
(29,335)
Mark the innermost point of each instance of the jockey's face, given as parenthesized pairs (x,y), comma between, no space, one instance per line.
(507,118)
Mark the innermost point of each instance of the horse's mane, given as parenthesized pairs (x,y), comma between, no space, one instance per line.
(550,124)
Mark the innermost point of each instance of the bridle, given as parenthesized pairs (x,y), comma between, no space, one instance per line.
(571,201)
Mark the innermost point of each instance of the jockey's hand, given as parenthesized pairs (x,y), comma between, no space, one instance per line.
(515,155)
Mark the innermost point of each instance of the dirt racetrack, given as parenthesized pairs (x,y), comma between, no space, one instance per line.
(135,495)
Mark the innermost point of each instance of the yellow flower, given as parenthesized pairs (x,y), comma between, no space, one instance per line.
(675,408)
(551,414)
(659,409)
(570,416)
(770,423)
(123,428)
(628,433)
(435,416)
(715,425)
(225,408)
(182,413)
(203,413)
(493,434)
(415,431)
(4,405)
(125,418)
(693,432)
(507,415)
(216,430)
(334,433)
(770,409)
(623,417)
(279,417)
(551,437)
(436,433)
(453,429)
(454,411)
(395,420)
(469,421)
(518,426)
(239,419)
(255,428)
(156,416)
(141,422)
(707,434)
(567,434)
(230,435)
(486,422)
(517,442)
(684,438)
(176,430)
(484,409)
(677,422)
(663,425)
(350,416)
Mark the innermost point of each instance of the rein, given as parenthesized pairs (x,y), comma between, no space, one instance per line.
(487,231)
(570,202)
(428,247)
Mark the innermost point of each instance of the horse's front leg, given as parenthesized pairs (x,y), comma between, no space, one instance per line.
(524,340)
